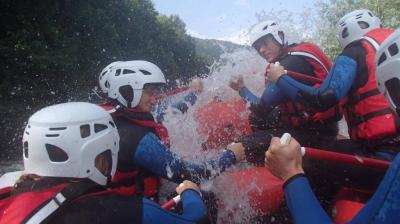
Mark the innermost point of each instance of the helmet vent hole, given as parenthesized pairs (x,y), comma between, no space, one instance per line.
(112,124)
(382,58)
(145,72)
(56,154)
(107,84)
(99,127)
(118,72)
(127,93)
(27,132)
(102,74)
(128,71)
(393,49)
(265,27)
(363,25)
(57,129)
(345,33)
(370,14)
(358,16)
(393,88)
(52,135)
(25,148)
(85,130)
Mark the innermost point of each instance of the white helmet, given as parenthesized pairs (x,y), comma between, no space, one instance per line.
(264,28)
(127,80)
(103,77)
(388,69)
(354,25)
(64,140)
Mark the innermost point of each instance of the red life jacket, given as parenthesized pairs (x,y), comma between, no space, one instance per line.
(126,182)
(294,113)
(366,110)
(36,206)
(22,207)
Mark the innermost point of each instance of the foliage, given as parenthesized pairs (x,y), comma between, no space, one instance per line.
(52,51)
(330,11)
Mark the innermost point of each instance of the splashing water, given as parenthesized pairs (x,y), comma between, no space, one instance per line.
(186,141)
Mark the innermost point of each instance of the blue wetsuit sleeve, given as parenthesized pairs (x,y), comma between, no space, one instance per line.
(270,97)
(182,105)
(340,79)
(248,96)
(194,210)
(384,206)
(151,154)
(159,110)
(302,203)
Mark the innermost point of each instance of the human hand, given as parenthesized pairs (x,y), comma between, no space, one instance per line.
(237,84)
(284,160)
(186,184)
(196,85)
(238,150)
(275,71)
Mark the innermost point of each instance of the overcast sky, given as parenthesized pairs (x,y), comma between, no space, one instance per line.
(225,19)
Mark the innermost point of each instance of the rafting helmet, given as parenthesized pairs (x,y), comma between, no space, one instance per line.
(128,79)
(65,140)
(354,25)
(103,77)
(265,28)
(388,69)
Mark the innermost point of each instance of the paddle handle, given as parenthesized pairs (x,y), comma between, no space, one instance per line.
(285,140)
(171,202)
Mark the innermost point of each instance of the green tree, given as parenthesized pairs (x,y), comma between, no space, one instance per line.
(329,12)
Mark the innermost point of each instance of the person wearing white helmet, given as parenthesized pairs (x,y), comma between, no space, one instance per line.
(144,146)
(285,161)
(273,113)
(195,87)
(351,83)
(70,154)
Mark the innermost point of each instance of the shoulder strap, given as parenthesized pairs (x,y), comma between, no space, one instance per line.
(371,41)
(305,54)
(49,208)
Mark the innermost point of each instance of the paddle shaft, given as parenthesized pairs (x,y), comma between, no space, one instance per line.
(171,202)
(304,77)
(339,157)
(345,158)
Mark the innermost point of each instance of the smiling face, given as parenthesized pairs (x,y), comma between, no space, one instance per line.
(149,97)
(268,48)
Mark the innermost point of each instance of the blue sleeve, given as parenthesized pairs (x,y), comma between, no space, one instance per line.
(152,155)
(303,205)
(194,210)
(162,106)
(384,206)
(340,79)
(248,96)
(270,97)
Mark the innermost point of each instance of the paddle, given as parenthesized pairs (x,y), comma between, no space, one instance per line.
(304,77)
(171,202)
(301,76)
(339,157)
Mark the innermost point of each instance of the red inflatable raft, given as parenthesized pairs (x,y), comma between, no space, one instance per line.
(223,122)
